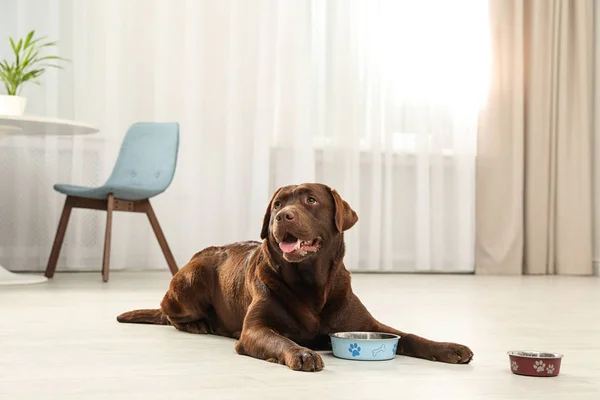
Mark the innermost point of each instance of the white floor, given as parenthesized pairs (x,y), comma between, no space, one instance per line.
(60,340)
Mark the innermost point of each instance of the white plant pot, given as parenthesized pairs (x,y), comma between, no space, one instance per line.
(12,105)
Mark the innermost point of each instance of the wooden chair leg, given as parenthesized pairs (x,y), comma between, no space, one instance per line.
(106,258)
(162,241)
(58,239)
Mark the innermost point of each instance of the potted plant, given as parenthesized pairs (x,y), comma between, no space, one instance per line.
(27,66)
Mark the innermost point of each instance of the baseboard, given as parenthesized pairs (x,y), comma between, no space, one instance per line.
(596,268)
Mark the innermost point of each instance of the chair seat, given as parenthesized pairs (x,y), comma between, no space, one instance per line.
(130,193)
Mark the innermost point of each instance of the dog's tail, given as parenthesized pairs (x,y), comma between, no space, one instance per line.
(154,317)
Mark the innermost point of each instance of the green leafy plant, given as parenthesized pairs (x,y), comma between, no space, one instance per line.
(29,64)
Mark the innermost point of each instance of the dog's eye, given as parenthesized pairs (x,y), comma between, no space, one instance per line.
(277,204)
(311,200)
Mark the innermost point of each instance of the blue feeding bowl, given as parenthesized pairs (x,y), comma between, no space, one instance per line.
(364,346)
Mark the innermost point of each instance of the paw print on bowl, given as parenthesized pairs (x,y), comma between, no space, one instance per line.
(550,369)
(395,348)
(539,366)
(515,366)
(354,350)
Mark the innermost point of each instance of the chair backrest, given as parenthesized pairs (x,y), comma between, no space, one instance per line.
(148,156)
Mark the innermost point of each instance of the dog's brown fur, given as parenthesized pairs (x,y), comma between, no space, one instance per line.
(281,307)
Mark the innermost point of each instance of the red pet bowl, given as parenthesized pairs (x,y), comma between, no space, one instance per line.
(534,363)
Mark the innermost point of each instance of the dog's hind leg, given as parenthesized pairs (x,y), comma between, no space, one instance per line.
(194,326)
(187,303)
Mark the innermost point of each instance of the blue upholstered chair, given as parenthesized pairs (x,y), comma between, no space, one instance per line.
(144,169)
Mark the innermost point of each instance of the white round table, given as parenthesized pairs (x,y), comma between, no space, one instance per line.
(36,126)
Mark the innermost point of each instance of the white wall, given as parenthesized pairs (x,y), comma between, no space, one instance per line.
(596,149)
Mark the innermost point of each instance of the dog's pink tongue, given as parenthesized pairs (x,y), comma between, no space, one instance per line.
(288,247)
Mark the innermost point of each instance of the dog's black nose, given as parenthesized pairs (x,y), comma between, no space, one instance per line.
(287,214)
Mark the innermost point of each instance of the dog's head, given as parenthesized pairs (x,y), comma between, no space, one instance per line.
(301,220)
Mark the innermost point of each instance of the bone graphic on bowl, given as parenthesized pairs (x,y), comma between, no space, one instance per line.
(378,350)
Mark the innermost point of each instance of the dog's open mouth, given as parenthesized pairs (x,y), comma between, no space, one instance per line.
(291,244)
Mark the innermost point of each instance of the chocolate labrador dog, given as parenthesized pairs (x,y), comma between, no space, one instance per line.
(282,297)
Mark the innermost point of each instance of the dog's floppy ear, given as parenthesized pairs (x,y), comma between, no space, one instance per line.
(264,232)
(345,216)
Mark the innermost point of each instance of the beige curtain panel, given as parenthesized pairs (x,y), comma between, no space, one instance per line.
(534,166)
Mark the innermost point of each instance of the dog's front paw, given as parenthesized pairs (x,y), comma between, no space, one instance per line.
(303,359)
(452,353)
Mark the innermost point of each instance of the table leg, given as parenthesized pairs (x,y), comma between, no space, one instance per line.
(8,278)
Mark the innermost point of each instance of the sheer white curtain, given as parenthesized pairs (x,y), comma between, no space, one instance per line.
(376,98)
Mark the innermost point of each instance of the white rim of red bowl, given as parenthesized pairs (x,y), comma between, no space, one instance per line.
(544,355)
